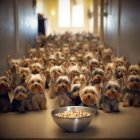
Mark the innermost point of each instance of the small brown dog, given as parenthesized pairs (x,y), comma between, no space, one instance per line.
(55,72)
(36,87)
(90,97)
(21,101)
(62,91)
(132,92)
(110,98)
(4,90)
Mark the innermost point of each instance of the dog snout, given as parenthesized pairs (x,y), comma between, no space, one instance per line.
(88,96)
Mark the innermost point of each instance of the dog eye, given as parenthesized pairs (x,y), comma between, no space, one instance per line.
(109,87)
(59,82)
(137,80)
(38,81)
(16,92)
(32,82)
(86,92)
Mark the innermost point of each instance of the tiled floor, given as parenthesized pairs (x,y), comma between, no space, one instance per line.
(40,124)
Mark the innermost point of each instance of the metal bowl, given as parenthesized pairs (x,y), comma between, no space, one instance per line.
(73,124)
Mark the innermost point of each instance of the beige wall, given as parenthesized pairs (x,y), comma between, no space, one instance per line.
(52,24)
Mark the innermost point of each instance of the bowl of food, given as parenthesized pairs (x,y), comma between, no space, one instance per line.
(73,118)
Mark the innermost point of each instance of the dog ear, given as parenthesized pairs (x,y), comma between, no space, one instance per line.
(41,61)
(43,77)
(28,78)
(9,59)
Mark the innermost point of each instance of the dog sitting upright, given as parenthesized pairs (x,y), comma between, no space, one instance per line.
(21,101)
(90,97)
(4,98)
(63,86)
(110,98)
(132,91)
(75,94)
(36,86)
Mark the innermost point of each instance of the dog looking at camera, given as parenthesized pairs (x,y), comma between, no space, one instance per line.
(21,101)
(90,97)
(36,86)
(110,98)
(132,91)
(62,91)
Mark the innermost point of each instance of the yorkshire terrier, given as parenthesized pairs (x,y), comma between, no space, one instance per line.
(23,73)
(36,68)
(55,72)
(121,76)
(132,92)
(96,77)
(21,101)
(74,94)
(94,63)
(14,64)
(62,92)
(4,97)
(48,77)
(90,97)
(36,87)
(110,97)
(134,70)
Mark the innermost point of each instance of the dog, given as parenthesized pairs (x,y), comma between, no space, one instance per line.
(94,63)
(74,94)
(5,88)
(36,86)
(36,68)
(23,73)
(134,69)
(110,97)
(132,92)
(55,72)
(90,97)
(62,91)
(21,101)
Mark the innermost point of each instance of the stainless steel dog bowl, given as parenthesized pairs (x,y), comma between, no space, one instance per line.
(73,124)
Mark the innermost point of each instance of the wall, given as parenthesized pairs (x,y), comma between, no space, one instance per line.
(18,27)
(52,22)
(121,27)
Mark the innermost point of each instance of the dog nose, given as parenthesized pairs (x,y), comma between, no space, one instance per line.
(35,85)
(88,96)
(113,91)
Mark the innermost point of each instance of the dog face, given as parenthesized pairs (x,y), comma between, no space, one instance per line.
(97,76)
(4,85)
(89,95)
(20,93)
(121,72)
(107,53)
(56,71)
(73,71)
(94,63)
(133,82)
(111,90)
(36,68)
(134,70)
(63,84)
(36,83)
(119,61)
(14,63)
(24,72)
(32,52)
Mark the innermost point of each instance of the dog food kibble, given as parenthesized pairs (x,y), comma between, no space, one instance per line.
(73,114)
